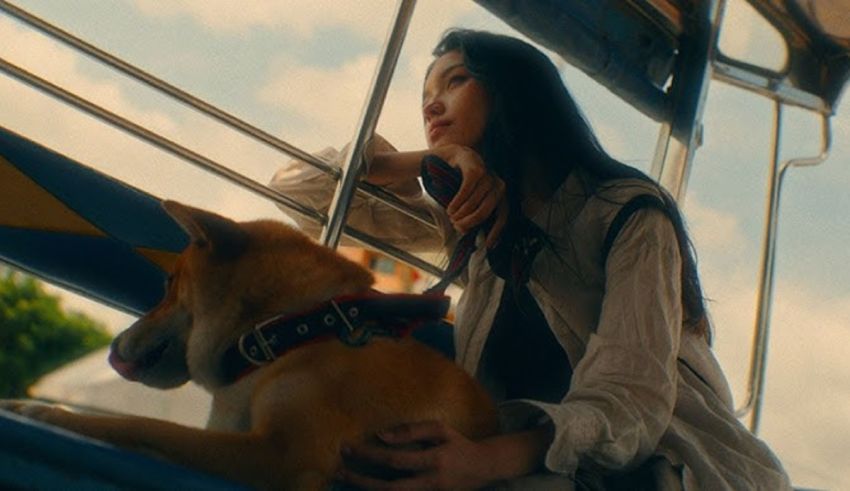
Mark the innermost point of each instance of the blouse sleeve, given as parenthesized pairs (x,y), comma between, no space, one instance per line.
(314,188)
(623,389)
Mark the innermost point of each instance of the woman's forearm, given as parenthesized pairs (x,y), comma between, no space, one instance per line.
(514,455)
(394,167)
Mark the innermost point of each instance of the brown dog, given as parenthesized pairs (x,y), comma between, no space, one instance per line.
(278,419)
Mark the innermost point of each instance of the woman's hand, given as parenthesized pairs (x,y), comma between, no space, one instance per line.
(481,193)
(448,460)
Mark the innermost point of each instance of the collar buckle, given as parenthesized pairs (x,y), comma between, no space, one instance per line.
(254,347)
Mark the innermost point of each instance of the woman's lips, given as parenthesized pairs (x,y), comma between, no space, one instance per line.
(437,129)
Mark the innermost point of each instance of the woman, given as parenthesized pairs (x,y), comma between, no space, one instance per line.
(582,311)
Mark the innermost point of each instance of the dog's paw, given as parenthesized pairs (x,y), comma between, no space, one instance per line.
(33,409)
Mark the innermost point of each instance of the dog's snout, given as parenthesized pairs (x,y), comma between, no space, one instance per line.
(116,341)
(119,364)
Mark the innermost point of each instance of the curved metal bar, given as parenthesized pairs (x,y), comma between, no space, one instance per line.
(778,171)
(203,106)
(826,145)
(367,123)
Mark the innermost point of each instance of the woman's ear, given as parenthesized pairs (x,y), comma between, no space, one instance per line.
(224,238)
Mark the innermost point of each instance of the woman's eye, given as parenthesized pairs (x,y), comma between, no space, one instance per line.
(457,80)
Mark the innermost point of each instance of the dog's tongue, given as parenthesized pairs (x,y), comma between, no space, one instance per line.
(124,368)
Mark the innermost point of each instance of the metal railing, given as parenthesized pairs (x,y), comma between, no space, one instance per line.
(206,108)
(347,176)
(774,86)
(778,170)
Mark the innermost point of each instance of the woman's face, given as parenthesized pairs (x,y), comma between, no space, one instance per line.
(454,104)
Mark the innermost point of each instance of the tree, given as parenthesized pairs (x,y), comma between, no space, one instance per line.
(37,334)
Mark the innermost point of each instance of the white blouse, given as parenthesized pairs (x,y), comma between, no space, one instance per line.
(642,385)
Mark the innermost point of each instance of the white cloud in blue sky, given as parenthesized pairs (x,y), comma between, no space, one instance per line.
(300,70)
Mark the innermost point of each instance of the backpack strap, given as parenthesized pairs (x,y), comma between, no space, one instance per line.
(639,202)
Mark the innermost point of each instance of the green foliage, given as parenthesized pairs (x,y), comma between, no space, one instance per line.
(37,335)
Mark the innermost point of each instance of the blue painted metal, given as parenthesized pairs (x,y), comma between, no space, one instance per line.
(38,456)
(107,268)
(101,267)
(112,206)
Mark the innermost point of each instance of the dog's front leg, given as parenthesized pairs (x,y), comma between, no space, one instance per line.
(244,457)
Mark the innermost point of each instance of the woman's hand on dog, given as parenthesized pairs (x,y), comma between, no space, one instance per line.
(443,459)
(432,455)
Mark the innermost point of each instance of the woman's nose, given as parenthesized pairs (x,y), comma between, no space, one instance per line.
(433,108)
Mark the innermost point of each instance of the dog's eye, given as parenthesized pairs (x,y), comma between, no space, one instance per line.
(169,281)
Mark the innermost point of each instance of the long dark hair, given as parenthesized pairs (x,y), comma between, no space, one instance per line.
(537,131)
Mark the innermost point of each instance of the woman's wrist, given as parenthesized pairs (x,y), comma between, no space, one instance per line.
(513,455)
(387,168)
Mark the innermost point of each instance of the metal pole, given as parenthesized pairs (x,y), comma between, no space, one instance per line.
(680,136)
(758,360)
(366,125)
(765,298)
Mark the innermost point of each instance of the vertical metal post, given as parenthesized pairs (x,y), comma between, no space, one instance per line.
(758,359)
(755,390)
(366,125)
(679,137)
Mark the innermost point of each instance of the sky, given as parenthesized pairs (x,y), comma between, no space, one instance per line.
(300,70)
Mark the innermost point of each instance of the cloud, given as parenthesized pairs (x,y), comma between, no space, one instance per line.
(326,100)
(749,37)
(301,17)
(806,397)
(713,231)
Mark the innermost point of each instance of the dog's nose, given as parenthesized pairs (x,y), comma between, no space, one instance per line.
(115,346)
(125,369)
(118,362)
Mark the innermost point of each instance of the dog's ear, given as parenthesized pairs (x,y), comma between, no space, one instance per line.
(224,238)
